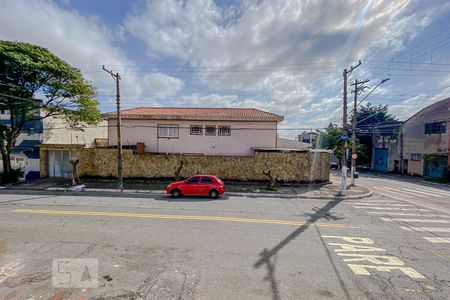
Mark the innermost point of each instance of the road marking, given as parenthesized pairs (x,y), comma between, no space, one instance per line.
(383,263)
(385,204)
(447,193)
(410,192)
(361,270)
(413,290)
(175,217)
(391,208)
(382,192)
(423,229)
(405,214)
(355,248)
(420,192)
(437,240)
(415,220)
(375,259)
(371,201)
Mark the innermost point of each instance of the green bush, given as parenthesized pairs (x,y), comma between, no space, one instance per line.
(13,177)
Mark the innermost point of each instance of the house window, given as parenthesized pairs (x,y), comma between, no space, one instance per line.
(435,128)
(224,130)
(168,131)
(196,130)
(416,156)
(210,130)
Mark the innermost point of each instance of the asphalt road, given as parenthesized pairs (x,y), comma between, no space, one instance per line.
(394,245)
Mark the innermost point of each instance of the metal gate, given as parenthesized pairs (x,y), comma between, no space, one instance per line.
(59,163)
(380,160)
(436,168)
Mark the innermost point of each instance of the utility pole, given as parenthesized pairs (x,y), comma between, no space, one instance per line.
(117,78)
(346,74)
(355,113)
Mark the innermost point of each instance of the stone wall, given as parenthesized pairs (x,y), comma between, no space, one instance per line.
(286,166)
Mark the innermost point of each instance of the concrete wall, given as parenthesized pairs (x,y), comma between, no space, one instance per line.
(287,166)
(244,136)
(56,132)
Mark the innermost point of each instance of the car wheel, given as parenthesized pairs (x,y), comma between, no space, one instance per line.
(213,194)
(176,193)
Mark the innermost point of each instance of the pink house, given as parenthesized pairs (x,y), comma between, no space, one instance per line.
(209,131)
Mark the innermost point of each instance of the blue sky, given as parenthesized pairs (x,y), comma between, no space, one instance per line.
(282,56)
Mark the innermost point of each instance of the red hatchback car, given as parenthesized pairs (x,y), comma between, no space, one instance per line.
(202,185)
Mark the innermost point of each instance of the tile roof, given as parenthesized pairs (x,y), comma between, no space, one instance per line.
(239,114)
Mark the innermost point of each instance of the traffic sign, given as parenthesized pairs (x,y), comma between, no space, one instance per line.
(344,137)
(354,156)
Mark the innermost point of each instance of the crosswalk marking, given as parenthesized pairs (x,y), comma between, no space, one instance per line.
(446,193)
(385,204)
(429,229)
(403,192)
(384,193)
(392,191)
(437,240)
(391,208)
(371,201)
(421,192)
(415,220)
(405,214)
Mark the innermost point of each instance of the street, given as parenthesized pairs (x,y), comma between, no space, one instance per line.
(393,245)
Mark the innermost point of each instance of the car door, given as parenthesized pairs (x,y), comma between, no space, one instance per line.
(191,186)
(205,185)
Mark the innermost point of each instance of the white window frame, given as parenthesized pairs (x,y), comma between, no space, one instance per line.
(228,133)
(168,131)
(416,156)
(193,127)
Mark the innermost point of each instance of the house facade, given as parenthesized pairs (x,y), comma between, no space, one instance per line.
(207,131)
(61,144)
(51,143)
(426,141)
(419,146)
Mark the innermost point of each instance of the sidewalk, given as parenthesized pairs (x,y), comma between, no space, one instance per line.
(248,189)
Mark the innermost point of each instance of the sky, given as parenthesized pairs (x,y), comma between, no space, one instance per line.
(281,56)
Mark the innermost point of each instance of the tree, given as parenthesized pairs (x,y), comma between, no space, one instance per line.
(32,79)
(369,115)
(330,139)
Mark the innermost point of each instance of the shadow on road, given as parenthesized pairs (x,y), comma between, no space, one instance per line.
(268,257)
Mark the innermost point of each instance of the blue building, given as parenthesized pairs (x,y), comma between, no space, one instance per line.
(25,154)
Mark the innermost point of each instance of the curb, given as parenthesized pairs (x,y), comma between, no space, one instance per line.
(263,195)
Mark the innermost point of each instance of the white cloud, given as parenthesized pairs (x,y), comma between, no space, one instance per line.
(82,41)
(161,85)
(295,41)
(278,55)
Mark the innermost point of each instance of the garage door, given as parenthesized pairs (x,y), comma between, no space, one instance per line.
(59,164)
